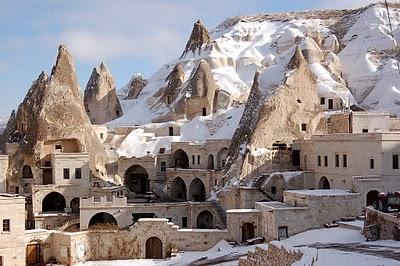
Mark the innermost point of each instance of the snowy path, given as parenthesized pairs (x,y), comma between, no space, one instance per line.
(389,252)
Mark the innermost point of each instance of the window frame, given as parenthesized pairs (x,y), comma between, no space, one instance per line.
(78,173)
(344,158)
(326,161)
(6,225)
(66,173)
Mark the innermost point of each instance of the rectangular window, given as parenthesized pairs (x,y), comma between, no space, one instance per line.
(330,104)
(395,161)
(78,173)
(66,173)
(204,111)
(326,161)
(198,159)
(1,261)
(6,225)
(58,147)
(184,222)
(17,190)
(365,130)
(319,160)
(344,160)
(101,135)
(171,131)
(336,160)
(322,100)
(163,166)
(304,127)
(193,159)
(371,164)
(161,151)
(273,190)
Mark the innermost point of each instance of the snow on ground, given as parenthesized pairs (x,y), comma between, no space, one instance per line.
(298,242)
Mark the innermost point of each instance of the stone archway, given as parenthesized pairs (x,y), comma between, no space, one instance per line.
(247,231)
(103,218)
(205,220)
(27,172)
(372,197)
(324,183)
(53,202)
(197,190)
(137,179)
(178,189)
(75,205)
(154,248)
(222,157)
(181,159)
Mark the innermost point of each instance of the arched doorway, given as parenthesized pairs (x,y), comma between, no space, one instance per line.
(137,179)
(210,162)
(75,205)
(324,183)
(222,157)
(27,172)
(247,232)
(53,202)
(197,191)
(372,197)
(34,254)
(178,189)
(154,248)
(181,160)
(205,220)
(103,218)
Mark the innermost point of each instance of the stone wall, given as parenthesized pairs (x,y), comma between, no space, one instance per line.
(387,224)
(272,256)
(3,172)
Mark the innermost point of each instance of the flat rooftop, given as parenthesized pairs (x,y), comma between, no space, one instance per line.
(278,205)
(242,211)
(321,192)
(10,196)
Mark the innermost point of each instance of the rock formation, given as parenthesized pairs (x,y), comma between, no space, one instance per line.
(200,91)
(101,101)
(135,86)
(51,112)
(276,115)
(198,38)
(5,136)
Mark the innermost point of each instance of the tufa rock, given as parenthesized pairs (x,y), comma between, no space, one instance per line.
(198,38)
(53,112)
(135,86)
(101,101)
(175,80)
(5,136)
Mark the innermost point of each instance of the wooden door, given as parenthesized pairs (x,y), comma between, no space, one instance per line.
(33,256)
(154,248)
(247,232)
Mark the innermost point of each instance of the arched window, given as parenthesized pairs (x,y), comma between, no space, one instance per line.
(324,183)
(27,172)
(103,218)
(137,179)
(197,191)
(178,189)
(205,220)
(53,202)
(181,160)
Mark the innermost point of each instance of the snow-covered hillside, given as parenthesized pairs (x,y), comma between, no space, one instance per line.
(3,123)
(350,53)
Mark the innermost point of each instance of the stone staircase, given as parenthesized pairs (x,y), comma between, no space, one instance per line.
(69,223)
(220,211)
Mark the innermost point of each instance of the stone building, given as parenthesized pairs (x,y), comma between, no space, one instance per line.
(12,230)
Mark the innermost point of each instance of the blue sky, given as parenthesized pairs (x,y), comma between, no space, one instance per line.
(131,36)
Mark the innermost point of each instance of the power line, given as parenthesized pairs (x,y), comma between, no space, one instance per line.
(394,40)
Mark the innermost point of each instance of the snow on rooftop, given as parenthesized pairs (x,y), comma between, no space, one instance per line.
(242,210)
(321,192)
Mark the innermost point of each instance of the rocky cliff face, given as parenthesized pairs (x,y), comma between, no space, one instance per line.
(197,39)
(135,86)
(51,112)
(101,102)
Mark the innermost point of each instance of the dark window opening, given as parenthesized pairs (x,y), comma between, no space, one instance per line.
(198,159)
(6,225)
(296,158)
(365,130)
(371,164)
(17,190)
(303,127)
(78,173)
(322,100)
(193,159)
(319,160)
(395,161)
(163,166)
(169,99)
(171,131)
(184,222)
(101,135)
(330,104)
(117,113)
(336,160)
(161,151)
(273,190)
(204,111)
(66,173)
(58,147)
(326,161)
